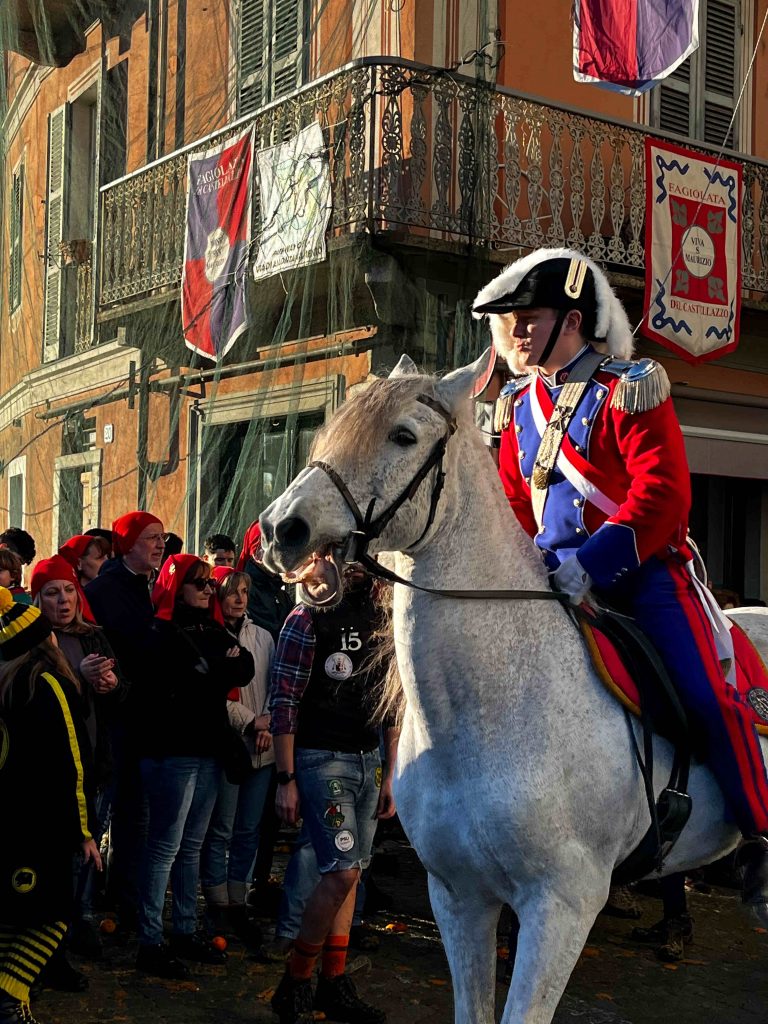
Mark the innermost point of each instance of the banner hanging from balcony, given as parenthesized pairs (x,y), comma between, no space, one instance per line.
(295,185)
(213,303)
(629,45)
(692,252)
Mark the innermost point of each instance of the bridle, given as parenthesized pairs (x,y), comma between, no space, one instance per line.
(368,529)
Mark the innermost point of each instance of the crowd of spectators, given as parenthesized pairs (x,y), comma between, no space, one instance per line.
(163,667)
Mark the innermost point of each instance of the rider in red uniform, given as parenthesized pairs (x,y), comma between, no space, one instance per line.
(607,503)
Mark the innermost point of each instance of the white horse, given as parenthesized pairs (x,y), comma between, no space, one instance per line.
(516,781)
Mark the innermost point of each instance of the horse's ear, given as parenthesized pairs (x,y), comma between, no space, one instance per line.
(405,367)
(457,385)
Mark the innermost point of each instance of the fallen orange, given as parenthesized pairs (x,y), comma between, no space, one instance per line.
(219,942)
(107,926)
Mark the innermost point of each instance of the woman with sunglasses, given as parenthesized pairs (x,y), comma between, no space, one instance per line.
(182,701)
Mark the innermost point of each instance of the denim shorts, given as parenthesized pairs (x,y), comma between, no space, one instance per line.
(339,794)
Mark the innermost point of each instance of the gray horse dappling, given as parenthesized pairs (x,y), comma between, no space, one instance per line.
(516,781)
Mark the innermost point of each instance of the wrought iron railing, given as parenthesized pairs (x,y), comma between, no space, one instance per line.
(434,154)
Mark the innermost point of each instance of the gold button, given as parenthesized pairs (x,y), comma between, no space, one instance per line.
(518,402)
(599,394)
(586,421)
(519,428)
(521,455)
(578,502)
(577,447)
(579,530)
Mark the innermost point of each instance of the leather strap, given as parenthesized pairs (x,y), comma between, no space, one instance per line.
(568,402)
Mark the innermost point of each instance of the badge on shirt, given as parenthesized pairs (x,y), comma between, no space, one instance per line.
(338,666)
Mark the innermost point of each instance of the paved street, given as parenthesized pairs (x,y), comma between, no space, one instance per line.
(723,980)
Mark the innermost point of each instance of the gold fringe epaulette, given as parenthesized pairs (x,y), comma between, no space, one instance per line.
(502,413)
(642,386)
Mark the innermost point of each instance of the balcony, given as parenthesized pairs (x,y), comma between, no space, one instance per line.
(436,156)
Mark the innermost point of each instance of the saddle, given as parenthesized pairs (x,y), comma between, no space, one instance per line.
(630,668)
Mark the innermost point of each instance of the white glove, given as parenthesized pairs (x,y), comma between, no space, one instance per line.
(572,579)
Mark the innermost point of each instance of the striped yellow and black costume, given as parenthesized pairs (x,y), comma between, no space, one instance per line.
(43,786)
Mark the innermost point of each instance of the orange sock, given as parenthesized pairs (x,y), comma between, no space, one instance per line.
(303,959)
(334,955)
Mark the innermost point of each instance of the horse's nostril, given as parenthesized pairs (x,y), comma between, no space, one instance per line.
(292,532)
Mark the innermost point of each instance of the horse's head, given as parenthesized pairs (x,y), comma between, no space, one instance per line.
(375,470)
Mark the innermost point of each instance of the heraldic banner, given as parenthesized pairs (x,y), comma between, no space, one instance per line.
(295,189)
(692,252)
(213,302)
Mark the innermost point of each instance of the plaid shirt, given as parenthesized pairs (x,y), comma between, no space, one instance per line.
(291,670)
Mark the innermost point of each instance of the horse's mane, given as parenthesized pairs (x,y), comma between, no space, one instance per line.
(361,424)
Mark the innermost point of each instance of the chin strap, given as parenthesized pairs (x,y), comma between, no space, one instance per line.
(553,336)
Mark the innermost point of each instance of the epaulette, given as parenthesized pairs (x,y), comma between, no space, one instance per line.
(502,413)
(643,384)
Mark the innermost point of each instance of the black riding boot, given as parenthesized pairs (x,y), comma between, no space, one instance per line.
(754,856)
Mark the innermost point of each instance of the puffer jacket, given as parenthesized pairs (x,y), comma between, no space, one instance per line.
(254,697)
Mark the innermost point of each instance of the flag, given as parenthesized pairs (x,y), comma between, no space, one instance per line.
(630,45)
(692,251)
(213,301)
(295,191)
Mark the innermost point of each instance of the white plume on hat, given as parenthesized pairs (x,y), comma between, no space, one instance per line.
(612,330)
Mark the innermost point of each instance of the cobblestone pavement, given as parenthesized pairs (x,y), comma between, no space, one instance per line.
(723,980)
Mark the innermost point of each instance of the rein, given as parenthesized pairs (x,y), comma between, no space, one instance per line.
(368,528)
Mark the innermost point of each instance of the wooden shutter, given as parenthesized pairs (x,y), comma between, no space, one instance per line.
(54,231)
(673,97)
(720,40)
(17,228)
(252,93)
(287,63)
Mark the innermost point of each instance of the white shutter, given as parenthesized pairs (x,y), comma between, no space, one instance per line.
(721,72)
(287,63)
(251,56)
(54,231)
(17,228)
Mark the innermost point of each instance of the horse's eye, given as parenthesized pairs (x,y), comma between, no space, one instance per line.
(402,437)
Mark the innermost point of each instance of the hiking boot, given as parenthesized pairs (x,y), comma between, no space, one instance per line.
(754,856)
(160,961)
(659,933)
(247,931)
(622,903)
(198,948)
(12,1011)
(292,1001)
(279,951)
(337,998)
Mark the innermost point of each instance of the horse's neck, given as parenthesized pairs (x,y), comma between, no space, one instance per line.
(465,645)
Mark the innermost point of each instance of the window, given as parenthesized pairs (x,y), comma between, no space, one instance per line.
(271,60)
(16,475)
(245,465)
(17,227)
(698,99)
(76,494)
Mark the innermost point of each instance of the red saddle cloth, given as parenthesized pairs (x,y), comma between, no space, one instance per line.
(751,673)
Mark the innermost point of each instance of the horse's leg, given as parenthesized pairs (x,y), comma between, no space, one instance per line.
(551,938)
(468,930)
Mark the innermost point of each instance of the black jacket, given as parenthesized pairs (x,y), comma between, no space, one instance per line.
(181,698)
(269,601)
(45,789)
(122,606)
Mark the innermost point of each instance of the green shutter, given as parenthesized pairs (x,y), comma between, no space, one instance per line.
(721,64)
(54,232)
(287,63)
(17,229)
(251,56)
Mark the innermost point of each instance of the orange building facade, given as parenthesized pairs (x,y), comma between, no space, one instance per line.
(456,140)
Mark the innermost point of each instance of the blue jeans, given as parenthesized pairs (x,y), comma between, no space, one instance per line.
(85,881)
(339,793)
(234,829)
(181,792)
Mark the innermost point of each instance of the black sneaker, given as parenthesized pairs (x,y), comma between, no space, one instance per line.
(84,940)
(247,931)
(61,976)
(660,932)
(198,948)
(160,961)
(337,998)
(11,1010)
(292,1001)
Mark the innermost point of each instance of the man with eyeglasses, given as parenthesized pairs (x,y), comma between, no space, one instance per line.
(121,600)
